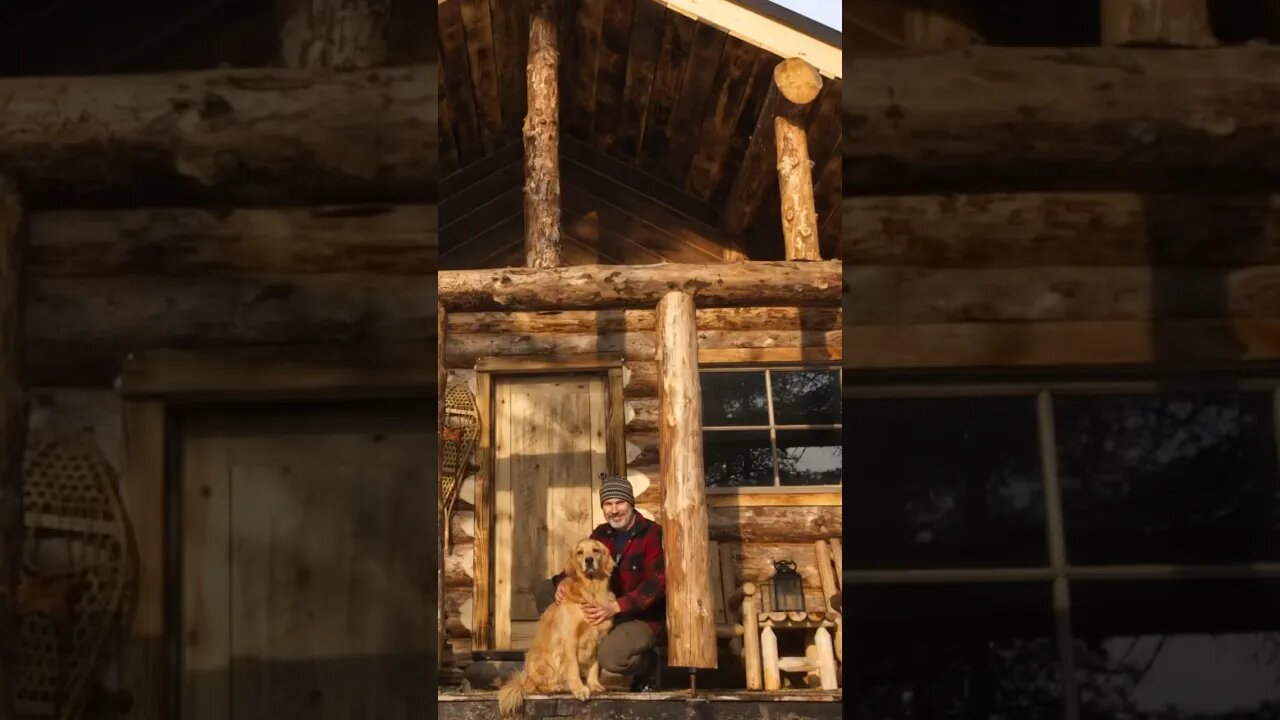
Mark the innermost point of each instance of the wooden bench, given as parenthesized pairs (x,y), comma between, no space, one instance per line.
(743,609)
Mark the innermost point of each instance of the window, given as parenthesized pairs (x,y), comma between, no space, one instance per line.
(771,427)
(1064,551)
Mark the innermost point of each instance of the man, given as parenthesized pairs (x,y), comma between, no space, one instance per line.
(639,583)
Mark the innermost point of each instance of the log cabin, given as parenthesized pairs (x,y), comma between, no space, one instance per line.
(217,255)
(1059,240)
(639,275)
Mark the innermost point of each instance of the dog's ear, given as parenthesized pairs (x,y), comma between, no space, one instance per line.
(609,564)
(573,568)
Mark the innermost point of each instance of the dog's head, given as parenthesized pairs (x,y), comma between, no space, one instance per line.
(590,559)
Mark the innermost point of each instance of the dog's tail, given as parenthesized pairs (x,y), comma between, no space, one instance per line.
(511,695)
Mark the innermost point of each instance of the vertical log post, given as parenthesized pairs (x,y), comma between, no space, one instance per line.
(542,143)
(826,658)
(795,188)
(334,34)
(442,523)
(685,539)
(1178,23)
(13,432)
(751,637)
(795,85)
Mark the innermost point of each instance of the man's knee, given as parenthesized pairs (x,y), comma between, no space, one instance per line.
(544,593)
(623,650)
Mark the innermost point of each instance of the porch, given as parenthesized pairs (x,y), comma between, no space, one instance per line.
(671,705)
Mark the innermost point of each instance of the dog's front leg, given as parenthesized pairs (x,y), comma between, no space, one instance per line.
(593,678)
(574,671)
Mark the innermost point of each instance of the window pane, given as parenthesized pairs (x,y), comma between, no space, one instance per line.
(737,458)
(944,483)
(1177,649)
(734,398)
(809,457)
(954,651)
(806,397)
(1168,478)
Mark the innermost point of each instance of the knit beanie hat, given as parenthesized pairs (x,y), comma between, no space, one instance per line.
(615,487)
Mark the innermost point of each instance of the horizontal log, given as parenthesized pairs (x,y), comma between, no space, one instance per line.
(459,567)
(231,136)
(457,612)
(775,524)
(613,321)
(462,526)
(1189,343)
(1023,118)
(641,379)
(891,295)
(608,287)
(78,330)
(1028,229)
(642,415)
(464,350)
(398,239)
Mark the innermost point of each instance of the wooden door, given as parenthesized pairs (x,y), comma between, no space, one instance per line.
(307,564)
(549,451)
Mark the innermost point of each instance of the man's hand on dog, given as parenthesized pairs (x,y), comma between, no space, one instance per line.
(597,614)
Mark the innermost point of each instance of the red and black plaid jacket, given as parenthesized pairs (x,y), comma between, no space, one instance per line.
(640,580)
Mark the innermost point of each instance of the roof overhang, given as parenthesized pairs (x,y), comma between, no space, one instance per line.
(768,26)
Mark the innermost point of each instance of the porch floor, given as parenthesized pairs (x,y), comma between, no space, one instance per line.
(667,705)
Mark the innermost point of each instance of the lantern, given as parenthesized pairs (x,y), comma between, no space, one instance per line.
(788,586)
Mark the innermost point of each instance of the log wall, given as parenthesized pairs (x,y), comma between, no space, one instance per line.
(754,534)
(1062,279)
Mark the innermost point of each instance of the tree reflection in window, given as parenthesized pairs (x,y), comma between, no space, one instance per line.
(771,427)
(1168,478)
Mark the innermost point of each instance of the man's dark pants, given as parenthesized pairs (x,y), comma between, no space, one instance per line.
(627,647)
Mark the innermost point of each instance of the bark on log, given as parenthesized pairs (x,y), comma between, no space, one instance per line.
(609,287)
(775,524)
(690,619)
(643,414)
(795,84)
(459,567)
(225,136)
(463,350)
(795,188)
(334,34)
(889,295)
(613,321)
(13,430)
(78,330)
(1038,119)
(394,239)
(542,143)
(1030,229)
(1176,23)
(1203,345)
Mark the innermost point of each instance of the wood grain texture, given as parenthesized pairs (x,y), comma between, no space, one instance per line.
(393,239)
(478,28)
(1034,229)
(230,136)
(690,622)
(933,123)
(746,284)
(542,144)
(795,187)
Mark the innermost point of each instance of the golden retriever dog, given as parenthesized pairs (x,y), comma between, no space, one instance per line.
(565,643)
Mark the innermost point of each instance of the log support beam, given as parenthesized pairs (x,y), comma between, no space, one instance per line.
(685,544)
(795,188)
(542,143)
(13,432)
(795,86)
(1176,23)
(612,287)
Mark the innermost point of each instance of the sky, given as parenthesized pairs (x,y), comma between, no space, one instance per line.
(826,12)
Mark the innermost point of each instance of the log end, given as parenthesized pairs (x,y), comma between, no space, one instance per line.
(797,80)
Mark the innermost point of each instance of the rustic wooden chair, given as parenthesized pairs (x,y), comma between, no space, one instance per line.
(745,611)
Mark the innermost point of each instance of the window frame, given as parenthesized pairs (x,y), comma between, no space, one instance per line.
(773,427)
(1059,573)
